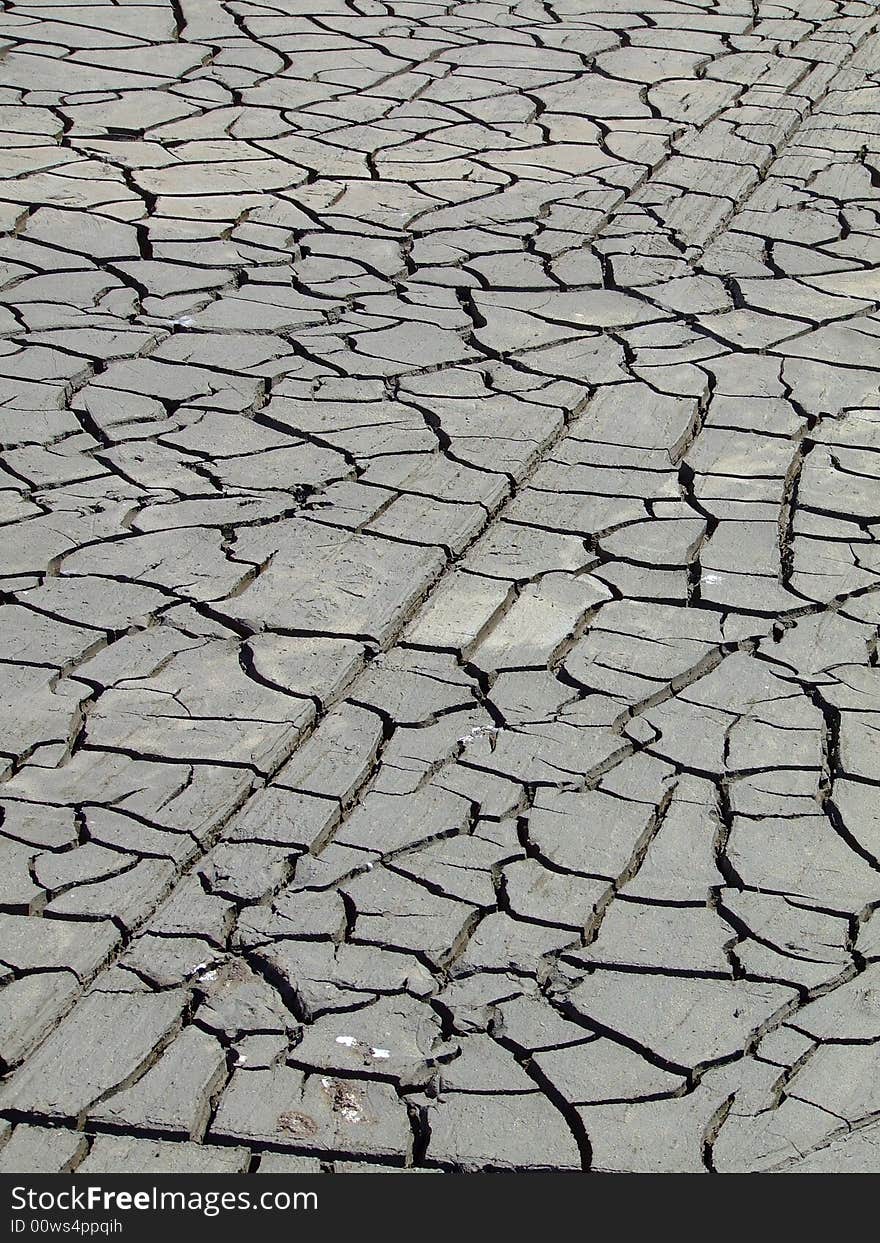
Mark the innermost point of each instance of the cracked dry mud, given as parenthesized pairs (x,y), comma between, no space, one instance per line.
(440,612)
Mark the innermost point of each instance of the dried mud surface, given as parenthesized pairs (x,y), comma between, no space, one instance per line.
(440,518)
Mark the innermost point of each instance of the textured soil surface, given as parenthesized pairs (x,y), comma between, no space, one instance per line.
(439,617)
